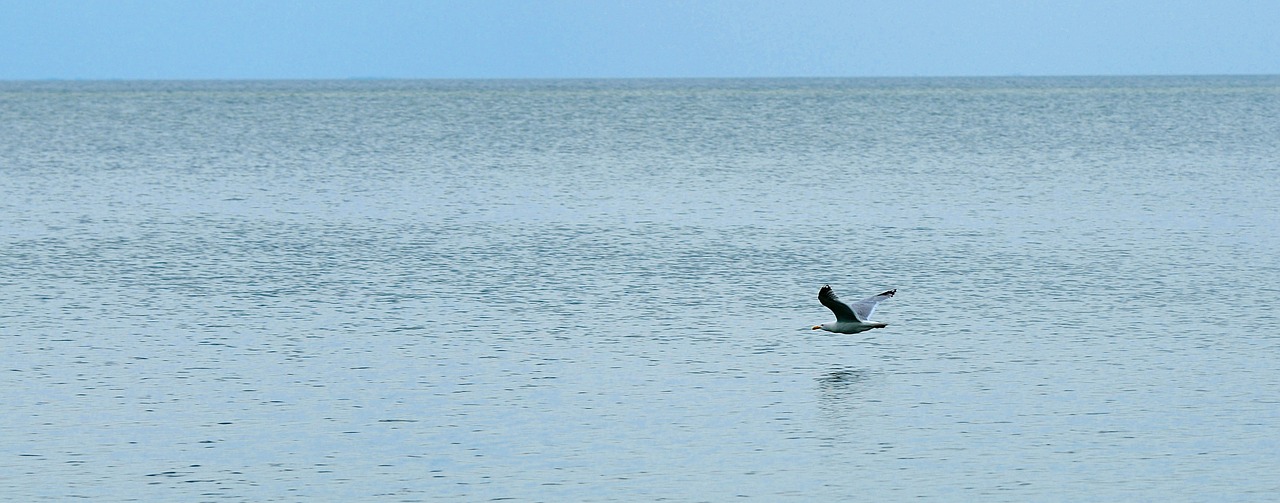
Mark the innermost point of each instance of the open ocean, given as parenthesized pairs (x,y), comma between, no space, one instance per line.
(602,290)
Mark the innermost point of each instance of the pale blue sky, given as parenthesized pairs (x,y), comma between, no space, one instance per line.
(296,39)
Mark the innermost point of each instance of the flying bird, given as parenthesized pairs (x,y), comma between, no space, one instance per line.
(851,318)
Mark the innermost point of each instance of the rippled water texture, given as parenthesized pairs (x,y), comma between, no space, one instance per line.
(601,291)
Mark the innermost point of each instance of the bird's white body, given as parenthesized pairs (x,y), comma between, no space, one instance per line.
(850,327)
(851,318)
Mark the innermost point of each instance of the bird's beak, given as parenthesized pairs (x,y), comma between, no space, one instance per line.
(815,327)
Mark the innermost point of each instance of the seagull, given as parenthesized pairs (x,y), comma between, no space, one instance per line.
(851,318)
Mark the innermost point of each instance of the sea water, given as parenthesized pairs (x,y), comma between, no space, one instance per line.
(602,290)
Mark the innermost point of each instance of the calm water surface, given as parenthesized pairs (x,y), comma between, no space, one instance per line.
(601,290)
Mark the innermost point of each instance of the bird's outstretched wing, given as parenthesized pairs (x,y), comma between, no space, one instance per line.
(842,311)
(863,308)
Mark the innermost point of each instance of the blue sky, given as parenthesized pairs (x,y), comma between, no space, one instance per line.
(295,39)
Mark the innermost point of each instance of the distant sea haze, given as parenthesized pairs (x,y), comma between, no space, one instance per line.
(602,290)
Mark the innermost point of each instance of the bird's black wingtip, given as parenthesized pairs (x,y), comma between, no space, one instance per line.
(891,293)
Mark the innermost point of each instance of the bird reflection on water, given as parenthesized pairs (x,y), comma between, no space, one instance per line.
(840,386)
(841,399)
(841,377)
